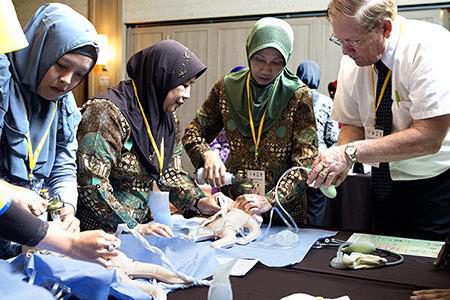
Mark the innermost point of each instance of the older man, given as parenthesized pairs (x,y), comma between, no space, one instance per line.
(393,97)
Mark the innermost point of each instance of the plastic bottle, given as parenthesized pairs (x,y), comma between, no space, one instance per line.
(55,204)
(200,179)
(160,208)
(220,288)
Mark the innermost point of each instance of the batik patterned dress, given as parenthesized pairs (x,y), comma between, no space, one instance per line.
(290,141)
(113,183)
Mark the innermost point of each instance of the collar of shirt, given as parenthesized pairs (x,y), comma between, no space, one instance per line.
(388,55)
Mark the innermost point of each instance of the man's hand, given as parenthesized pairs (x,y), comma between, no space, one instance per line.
(330,167)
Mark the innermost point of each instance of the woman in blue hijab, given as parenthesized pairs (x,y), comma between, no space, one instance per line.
(38,114)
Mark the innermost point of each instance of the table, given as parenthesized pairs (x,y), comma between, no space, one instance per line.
(314,276)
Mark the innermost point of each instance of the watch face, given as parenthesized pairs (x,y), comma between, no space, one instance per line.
(350,150)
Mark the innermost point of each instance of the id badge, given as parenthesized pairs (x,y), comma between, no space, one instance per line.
(370,134)
(258,178)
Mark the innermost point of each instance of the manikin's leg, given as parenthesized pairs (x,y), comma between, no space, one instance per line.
(136,269)
(150,271)
(201,234)
(254,228)
(155,291)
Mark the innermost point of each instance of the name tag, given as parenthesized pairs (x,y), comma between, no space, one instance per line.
(370,134)
(259,181)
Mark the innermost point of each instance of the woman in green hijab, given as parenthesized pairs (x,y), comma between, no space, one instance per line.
(268,119)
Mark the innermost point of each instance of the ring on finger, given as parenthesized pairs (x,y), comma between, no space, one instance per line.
(111,247)
(323,173)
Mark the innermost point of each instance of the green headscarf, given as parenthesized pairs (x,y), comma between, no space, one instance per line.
(267,33)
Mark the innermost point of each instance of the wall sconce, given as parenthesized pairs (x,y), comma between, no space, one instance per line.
(12,37)
(105,53)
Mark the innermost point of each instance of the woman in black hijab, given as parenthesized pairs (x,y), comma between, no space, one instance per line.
(127,140)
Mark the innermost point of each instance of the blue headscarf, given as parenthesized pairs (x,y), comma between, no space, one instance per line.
(309,74)
(53,31)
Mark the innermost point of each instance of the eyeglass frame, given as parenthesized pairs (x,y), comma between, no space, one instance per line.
(340,43)
(350,43)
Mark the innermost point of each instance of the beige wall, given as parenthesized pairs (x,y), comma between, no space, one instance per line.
(26,8)
(138,11)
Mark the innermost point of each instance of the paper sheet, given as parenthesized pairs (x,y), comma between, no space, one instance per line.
(400,245)
(241,267)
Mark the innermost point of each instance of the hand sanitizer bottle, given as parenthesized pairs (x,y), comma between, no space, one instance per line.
(220,288)
(200,178)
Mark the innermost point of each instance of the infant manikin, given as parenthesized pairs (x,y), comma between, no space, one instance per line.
(225,225)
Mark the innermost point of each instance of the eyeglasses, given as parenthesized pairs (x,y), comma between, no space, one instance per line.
(340,43)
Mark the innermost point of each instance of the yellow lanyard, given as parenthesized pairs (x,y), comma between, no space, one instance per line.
(33,156)
(256,139)
(386,80)
(383,88)
(159,152)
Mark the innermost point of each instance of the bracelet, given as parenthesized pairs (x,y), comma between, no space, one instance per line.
(196,205)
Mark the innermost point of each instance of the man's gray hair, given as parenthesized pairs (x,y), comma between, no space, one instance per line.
(368,13)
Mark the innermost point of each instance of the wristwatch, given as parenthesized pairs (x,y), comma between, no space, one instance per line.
(350,152)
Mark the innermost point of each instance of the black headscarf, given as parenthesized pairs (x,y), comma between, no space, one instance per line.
(155,71)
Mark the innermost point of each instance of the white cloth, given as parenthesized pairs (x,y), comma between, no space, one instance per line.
(418,55)
(303,296)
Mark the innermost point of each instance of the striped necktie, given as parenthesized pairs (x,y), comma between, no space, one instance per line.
(381,177)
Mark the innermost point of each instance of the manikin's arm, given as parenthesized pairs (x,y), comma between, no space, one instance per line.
(227,237)
(153,290)
(137,269)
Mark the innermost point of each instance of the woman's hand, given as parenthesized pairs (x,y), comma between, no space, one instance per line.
(435,294)
(155,228)
(214,169)
(252,204)
(29,200)
(94,245)
(68,220)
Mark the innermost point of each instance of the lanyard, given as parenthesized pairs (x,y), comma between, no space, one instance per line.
(256,139)
(33,156)
(383,88)
(386,80)
(159,152)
